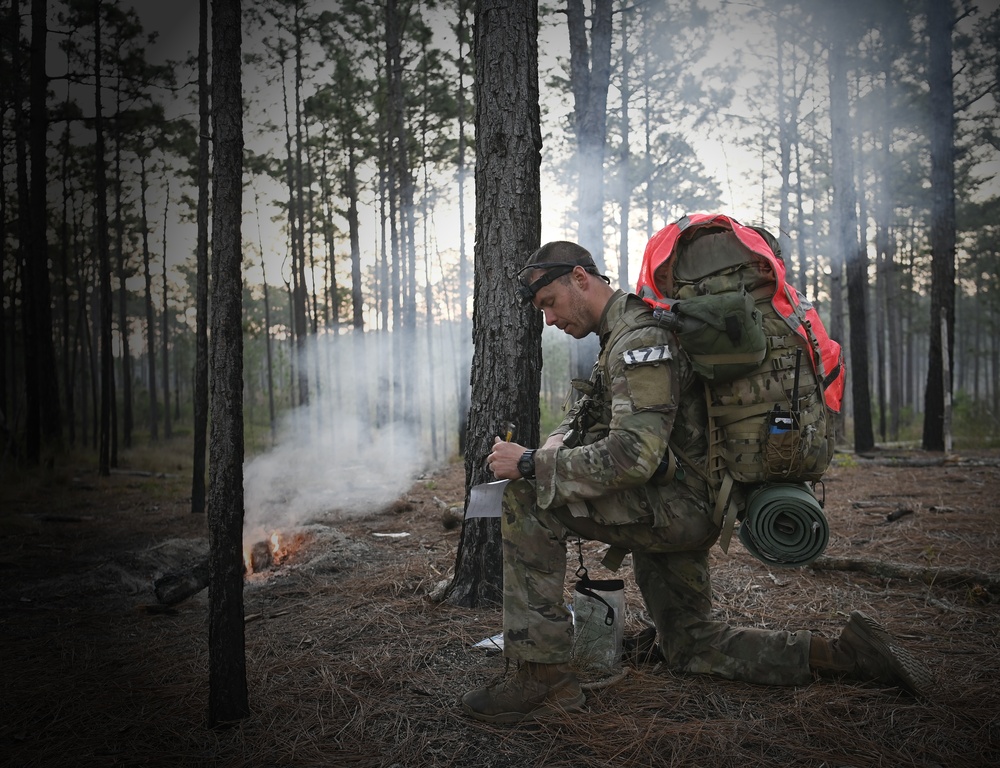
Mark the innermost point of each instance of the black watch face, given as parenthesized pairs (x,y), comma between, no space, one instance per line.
(526,466)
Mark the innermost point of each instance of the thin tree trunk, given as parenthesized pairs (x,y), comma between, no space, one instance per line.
(462,360)
(25,264)
(271,419)
(299,250)
(154,406)
(51,420)
(590,74)
(101,226)
(167,426)
(888,282)
(846,242)
(123,334)
(5,434)
(940,20)
(785,133)
(68,343)
(201,298)
(625,158)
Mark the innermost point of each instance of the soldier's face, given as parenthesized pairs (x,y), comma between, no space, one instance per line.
(562,304)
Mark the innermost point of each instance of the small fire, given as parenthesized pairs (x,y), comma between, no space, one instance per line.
(264,554)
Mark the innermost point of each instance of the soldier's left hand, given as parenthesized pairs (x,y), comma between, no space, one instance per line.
(503,459)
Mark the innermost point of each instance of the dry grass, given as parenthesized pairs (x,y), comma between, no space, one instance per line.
(350,663)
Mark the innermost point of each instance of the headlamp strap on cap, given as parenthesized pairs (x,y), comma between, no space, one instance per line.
(527,291)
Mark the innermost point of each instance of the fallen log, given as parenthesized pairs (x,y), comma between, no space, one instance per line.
(173,587)
(943,575)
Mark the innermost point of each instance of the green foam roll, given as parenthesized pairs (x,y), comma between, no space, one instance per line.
(784,525)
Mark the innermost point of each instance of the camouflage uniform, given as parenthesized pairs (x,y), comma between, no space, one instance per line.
(600,485)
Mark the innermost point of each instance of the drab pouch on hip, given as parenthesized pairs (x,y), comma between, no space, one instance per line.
(598,623)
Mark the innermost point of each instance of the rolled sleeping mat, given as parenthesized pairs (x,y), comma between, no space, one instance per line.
(784,525)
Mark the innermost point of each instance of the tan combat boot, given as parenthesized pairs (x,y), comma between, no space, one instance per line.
(865,651)
(533,691)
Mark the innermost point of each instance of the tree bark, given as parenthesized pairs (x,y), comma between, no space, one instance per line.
(201,289)
(845,226)
(167,426)
(227,652)
(507,337)
(154,406)
(48,382)
(462,361)
(887,279)
(940,20)
(104,261)
(123,333)
(590,76)
(32,432)
(625,157)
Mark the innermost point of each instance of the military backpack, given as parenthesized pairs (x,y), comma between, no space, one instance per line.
(773,377)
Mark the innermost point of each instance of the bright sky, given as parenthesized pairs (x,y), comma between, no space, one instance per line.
(736,169)
(177,25)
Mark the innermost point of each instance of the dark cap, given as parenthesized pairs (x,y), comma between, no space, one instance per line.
(557,258)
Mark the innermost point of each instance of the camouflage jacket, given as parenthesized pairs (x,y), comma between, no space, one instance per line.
(641,394)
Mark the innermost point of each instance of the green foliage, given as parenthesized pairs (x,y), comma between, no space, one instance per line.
(550,418)
(845,460)
(974,423)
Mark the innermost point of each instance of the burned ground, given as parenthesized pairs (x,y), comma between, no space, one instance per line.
(352,663)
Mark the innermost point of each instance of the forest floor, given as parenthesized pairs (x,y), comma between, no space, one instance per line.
(350,661)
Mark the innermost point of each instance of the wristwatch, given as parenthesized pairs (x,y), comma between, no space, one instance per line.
(526,464)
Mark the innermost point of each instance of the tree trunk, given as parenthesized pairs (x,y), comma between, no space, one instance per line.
(785,133)
(25,263)
(888,282)
(48,381)
(6,441)
(625,159)
(590,75)
(201,297)
(845,226)
(123,330)
(69,329)
(167,426)
(507,338)
(462,361)
(226,641)
(298,203)
(940,20)
(42,421)
(269,354)
(354,234)
(104,260)
(154,406)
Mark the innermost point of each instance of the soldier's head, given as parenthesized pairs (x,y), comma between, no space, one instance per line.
(562,280)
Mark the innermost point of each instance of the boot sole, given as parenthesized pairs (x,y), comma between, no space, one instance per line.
(910,674)
(561,706)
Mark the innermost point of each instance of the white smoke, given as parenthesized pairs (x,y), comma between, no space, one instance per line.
(355,448)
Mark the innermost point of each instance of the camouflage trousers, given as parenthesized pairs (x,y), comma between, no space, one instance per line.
(670,564)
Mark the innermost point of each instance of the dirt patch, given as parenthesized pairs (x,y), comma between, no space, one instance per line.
(351,663)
